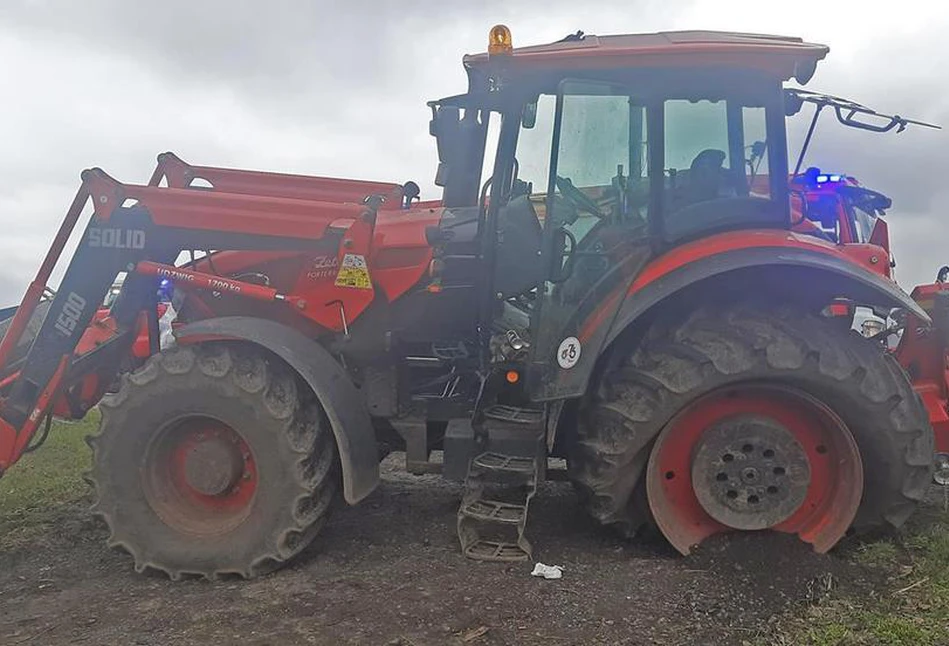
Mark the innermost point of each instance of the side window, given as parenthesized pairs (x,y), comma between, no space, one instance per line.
(692,128)
(756,151)
(698,158)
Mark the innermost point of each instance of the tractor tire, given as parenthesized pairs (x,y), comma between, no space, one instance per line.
(213,460)
(716,349)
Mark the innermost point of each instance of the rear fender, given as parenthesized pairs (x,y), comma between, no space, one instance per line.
(792,274)
(342,402)
(801,273)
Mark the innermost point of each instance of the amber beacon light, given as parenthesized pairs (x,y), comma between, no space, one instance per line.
(499,40)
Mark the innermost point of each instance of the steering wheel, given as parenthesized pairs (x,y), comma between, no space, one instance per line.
(577,197)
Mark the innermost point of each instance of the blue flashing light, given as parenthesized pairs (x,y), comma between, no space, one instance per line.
(824,178)
(165,289)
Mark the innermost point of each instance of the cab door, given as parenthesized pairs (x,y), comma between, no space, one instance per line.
(596,231)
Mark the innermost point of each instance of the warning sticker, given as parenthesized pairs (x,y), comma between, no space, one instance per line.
(353,272)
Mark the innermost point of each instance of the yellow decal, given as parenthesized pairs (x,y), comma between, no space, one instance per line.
(353,272)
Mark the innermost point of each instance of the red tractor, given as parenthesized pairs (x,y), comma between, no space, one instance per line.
(632,284)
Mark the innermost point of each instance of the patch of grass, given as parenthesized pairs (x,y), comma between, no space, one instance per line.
(38,486)
(879,554)
(895,630)
(829,634)
(913,610)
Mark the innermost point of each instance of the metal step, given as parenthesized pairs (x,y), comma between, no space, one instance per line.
(514,414)
(513,464)
(494,511)
(500,482)
(492,516)
(497,551)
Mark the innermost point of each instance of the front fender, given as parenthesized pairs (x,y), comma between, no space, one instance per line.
(342,402)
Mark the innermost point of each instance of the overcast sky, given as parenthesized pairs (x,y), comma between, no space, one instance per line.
(329,88)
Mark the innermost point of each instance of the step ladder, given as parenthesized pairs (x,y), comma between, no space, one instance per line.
(501,481)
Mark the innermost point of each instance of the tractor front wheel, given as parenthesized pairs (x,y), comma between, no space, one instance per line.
(212,461)
(747,419)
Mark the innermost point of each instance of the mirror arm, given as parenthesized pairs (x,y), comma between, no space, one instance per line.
(807,139)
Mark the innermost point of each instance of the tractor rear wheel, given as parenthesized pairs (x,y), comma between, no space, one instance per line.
(213,460)
(740,418)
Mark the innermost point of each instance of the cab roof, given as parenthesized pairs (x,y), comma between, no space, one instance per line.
(781,56)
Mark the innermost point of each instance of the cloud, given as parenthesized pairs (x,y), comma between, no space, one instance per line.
(328,88)
(311,87)
(297,57)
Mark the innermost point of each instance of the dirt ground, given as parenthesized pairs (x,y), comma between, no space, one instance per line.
(389,571)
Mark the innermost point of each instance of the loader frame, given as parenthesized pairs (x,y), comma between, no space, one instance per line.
(141,230)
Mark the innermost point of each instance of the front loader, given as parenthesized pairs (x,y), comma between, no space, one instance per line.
(639,285)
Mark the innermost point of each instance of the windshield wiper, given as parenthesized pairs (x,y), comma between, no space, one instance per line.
(847,112)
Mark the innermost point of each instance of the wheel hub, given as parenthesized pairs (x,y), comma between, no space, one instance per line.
(213,466)
(762,427)
(749,472)
(200,476)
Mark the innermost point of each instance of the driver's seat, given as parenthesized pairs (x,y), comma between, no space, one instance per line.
(518,264)
(707,178)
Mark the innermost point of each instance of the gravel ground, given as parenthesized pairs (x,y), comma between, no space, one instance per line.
(389,571)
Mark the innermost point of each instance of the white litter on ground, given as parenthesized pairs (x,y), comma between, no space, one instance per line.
(548,571)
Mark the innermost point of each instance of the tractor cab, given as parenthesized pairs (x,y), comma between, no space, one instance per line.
(610,151)
(636,179)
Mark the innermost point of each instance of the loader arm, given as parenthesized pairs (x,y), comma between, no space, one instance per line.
(142,230)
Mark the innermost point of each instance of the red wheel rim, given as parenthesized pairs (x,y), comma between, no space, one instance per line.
(828,499)
(200,476)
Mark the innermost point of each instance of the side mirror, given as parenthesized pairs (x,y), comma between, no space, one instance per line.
(446,120)
(445,126)
(792,103)
(529,115)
